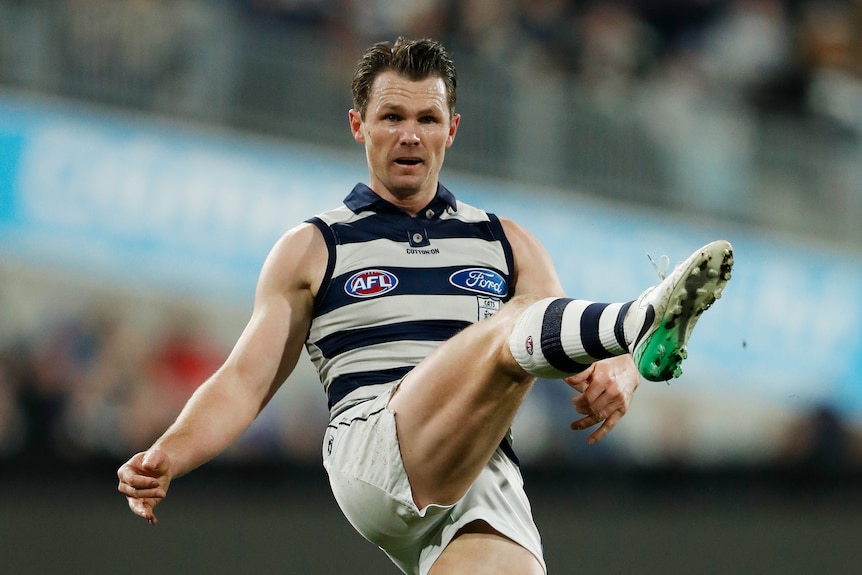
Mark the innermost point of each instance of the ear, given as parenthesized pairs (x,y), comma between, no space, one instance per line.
(355,119)
(453,127)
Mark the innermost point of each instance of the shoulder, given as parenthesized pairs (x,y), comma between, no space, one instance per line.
(334,216)
(299,257)
(525,246)
(305,235)
(515,232)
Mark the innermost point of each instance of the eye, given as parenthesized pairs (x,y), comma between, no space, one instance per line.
(428,120)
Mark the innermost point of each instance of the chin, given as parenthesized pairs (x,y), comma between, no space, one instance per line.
(406,187)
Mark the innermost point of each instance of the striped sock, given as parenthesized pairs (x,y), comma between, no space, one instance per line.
(558,337)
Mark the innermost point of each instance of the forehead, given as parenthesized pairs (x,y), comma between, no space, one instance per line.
(391,89)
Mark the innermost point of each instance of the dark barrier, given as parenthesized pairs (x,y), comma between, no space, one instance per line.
(68,519)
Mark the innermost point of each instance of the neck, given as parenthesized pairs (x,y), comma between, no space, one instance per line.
(409,201)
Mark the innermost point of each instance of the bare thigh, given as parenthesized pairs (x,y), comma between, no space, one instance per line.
(453,409)
(480,550)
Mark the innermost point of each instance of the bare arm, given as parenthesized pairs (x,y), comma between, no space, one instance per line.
(535,273)
(223,407)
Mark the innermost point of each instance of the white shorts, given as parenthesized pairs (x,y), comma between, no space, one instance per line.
(363,460)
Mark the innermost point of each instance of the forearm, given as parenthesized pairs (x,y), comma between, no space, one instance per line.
(213,419)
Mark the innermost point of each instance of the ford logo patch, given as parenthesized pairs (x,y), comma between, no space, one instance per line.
(369,283)
(480,280)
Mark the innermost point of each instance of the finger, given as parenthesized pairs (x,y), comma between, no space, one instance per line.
(608,401)
(581,380)
(137,480)
(130,466)
(154,492)
(584,410)
(594,391)
(605,406)
(140,486)
(579,386)
(596,415)
(581,405)
(601,406)
(585,422)
(606,427)
(143,509)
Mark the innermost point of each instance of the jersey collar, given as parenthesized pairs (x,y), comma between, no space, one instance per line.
(363,198)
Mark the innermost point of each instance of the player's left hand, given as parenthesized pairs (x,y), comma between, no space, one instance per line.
(144,480)
(607,388)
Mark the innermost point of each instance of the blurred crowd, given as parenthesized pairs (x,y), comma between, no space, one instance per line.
(795,56)
(96,384)
(790,55)
(94,373)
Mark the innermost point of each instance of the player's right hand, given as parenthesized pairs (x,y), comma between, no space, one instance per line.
(144,480)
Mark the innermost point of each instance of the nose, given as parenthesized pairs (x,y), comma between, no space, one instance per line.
(409,134)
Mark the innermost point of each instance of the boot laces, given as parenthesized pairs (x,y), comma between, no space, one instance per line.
(662,267)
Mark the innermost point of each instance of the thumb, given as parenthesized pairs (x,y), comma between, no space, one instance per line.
(580,381)
(577,385)
(156,461)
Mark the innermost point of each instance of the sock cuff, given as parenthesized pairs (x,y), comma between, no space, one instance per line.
(531,341)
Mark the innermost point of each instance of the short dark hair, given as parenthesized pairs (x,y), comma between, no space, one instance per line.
(413,59)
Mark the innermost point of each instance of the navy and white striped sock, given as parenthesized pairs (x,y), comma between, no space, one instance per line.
(558,337)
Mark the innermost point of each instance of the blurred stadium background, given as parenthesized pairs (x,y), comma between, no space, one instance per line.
(152,150)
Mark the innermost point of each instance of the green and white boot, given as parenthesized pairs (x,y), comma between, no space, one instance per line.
(668,312)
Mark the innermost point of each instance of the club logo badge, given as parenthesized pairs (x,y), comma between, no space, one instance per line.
(370,283)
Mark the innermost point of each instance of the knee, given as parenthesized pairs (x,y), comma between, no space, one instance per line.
(505,324)
(525,339)
(516,306)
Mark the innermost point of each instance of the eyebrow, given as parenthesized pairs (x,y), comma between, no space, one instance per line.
(429,111)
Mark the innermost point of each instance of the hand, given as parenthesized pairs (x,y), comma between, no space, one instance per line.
(607,388)
(144,480)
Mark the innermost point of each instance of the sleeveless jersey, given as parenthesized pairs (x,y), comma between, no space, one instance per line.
(398,286)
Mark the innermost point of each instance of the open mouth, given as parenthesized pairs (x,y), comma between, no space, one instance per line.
(408,161)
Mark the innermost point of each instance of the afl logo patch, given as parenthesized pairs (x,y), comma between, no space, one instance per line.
(480,280)
(370,283)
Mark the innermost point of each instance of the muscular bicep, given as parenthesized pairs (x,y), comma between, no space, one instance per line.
(270,345)
(534,270)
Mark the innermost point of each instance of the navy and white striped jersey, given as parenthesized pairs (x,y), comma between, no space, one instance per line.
(397,286)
